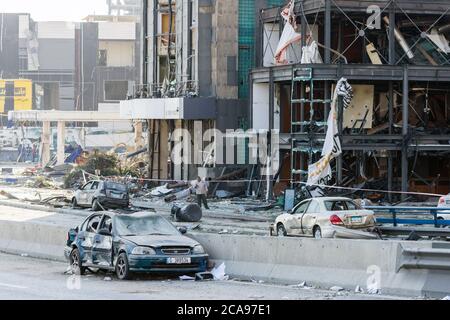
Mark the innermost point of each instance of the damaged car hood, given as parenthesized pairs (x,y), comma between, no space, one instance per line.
(161,241)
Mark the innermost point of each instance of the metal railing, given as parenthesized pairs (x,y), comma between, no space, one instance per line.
(165,90)
(411,215)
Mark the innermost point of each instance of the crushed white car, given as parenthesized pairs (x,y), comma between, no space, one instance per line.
(327,218)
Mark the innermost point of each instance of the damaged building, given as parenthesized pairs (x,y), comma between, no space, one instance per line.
(395,132)
(197,58)
(73,66)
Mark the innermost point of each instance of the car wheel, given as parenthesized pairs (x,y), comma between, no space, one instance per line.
(75,263)
(281,231)
(123,267)
(95,205)
(441,219)
(74,203)
(317,232)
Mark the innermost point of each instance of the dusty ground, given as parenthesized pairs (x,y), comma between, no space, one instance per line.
(27,278)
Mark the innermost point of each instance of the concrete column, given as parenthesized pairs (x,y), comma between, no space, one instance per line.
(177,174)
(138,139)
(391,36)
(45,143)
(327,52)
(405,172)
(61,138)
(164,149)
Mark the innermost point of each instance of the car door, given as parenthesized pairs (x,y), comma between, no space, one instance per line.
(82,193)
(87,236)
(294,223)
(92,192)
(310,217)
(102,247)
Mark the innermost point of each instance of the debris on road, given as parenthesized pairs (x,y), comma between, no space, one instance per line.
(219,273)
(204,276)
(188,213)
(358,289)
(336,289)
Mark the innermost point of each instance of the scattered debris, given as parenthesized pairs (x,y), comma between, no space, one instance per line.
(188,213)
(358,289)
(186,278)
(219,273)
(107,279)
(336,289)
(8,195)
(373,291)
(203,276)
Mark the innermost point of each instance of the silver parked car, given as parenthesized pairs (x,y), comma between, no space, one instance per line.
(327,218)
(97,194)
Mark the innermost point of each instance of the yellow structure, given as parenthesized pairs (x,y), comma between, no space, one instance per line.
(16,95)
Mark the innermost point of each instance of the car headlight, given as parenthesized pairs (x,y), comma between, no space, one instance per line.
(143,251)
(198,249)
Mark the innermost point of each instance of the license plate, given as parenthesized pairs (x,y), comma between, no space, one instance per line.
(179,260)
(356,219)
(116,196)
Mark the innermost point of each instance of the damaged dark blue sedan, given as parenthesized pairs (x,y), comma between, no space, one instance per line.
(133,243)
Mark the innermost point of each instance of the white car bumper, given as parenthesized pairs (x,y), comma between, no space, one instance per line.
(345,233)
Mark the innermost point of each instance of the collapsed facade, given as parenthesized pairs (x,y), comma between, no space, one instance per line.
(395,133)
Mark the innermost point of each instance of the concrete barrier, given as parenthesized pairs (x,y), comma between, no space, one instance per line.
(33,239)
(326,263)
(323,263)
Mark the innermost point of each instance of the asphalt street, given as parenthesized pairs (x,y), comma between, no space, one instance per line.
(27,278)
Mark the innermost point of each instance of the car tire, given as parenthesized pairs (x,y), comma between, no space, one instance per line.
(281,231)
(95,205)
(317,233)
(75,263)
(74,203)
(123,267)
(441,219)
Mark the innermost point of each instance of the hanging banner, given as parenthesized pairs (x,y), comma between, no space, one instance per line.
(320,172)
(289,35)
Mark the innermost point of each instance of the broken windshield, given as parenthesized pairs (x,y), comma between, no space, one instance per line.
(144,225)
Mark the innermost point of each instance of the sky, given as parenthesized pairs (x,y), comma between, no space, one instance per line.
(55,10)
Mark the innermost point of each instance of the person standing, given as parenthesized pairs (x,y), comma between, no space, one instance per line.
(201,190)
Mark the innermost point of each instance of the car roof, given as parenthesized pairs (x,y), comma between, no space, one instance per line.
(118,214)
(331,199)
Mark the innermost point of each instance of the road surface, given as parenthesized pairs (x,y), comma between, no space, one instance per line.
(27,278)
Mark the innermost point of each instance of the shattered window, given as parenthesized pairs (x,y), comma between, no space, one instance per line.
(351,205)
(301,208)
(93,223)
(335,205)
(107,223)
(116,186)
(87,186)
(143,226)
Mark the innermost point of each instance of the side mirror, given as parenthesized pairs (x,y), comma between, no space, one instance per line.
(183,230)
(105,232)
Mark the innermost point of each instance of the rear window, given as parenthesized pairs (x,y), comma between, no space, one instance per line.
(340,205)
(116,186)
